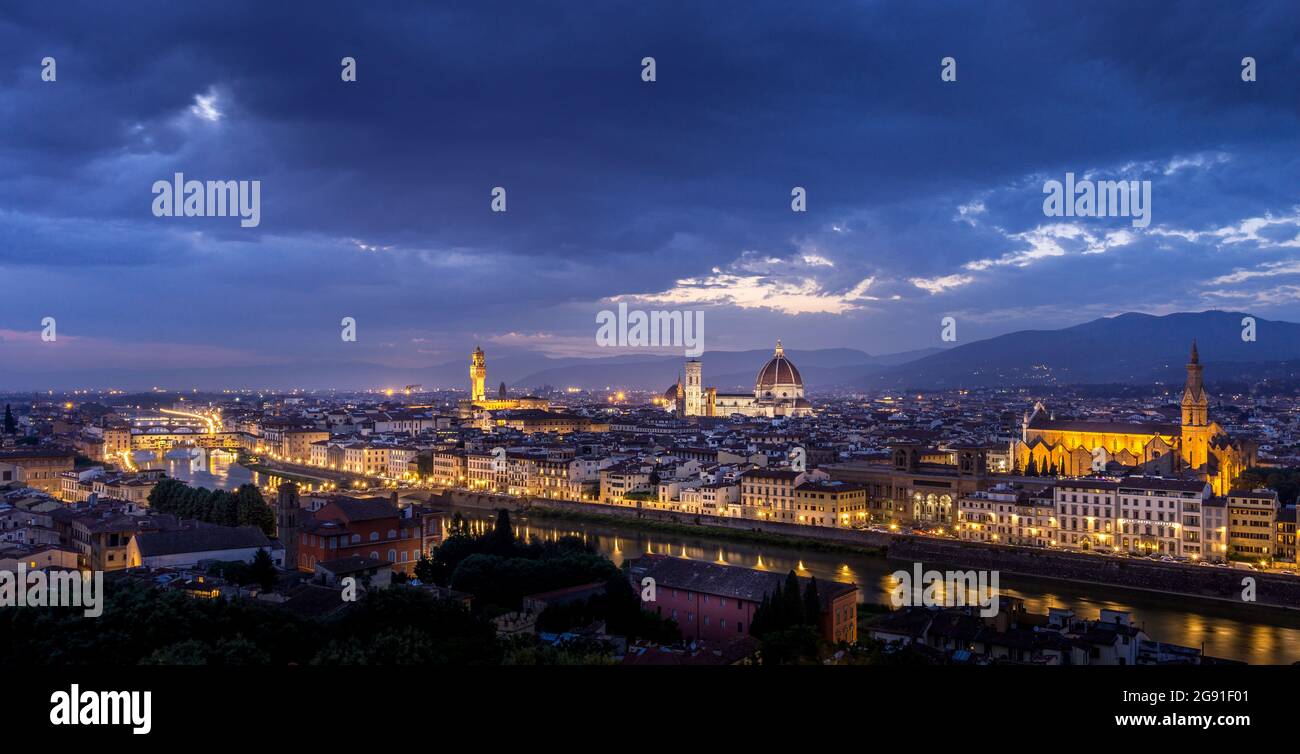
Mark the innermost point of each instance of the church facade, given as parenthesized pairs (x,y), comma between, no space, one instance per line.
(778,391)
(1079,448)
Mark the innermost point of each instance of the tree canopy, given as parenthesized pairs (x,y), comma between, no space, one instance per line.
(244,507)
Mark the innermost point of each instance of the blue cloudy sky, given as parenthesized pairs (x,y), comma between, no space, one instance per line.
(924,198)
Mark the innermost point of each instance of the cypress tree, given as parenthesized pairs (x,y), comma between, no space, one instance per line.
(792,601)
(812,604)
(775,610)
(1031,468)
(222,509)
(762,615)
(503,536)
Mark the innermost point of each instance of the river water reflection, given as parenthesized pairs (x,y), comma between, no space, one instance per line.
(212,473)
(1252,634)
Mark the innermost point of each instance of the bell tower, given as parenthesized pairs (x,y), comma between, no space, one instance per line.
(1195,404)
(478,375)
(1196,419)
(694,388)
(286,523)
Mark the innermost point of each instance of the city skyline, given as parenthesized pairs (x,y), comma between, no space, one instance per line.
(376,192)
(458,341)
(1078,356)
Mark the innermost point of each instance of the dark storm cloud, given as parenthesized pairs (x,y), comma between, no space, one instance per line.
(375,194)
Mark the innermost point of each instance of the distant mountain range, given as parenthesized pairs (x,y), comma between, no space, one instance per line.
(1126,349)
(1129,348)
(520,371)
(725,370)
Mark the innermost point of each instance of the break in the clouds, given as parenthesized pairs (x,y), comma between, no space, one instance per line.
(924,197)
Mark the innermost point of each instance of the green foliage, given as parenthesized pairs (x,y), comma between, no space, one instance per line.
(11,426)
(527,650)
(812,604)
(792,601)
(459,546)
(228,652)
(619,607)
(788,623)
(245,507)
(786,607)
(873,652)
(402,626)
(261,571)
(425,570)
(503,534)
(140,620)
(145,624)
(796,645)
(501,581)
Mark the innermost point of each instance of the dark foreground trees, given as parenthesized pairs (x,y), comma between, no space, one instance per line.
(144,624)
(788,623)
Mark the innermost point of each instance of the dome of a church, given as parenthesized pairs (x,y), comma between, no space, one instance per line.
(779,377)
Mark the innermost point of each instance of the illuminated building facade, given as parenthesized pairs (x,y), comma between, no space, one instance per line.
(1252,524)
(359,527)
(36,468)
(827,503)
(1009,516)
(478,375)
(921,486)
(479,402)
(1078,448)
(716,602)
(778,391)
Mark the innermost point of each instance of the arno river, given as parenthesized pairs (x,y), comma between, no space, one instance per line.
(1256,635)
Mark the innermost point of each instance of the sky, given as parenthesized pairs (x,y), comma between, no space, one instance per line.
(924,197)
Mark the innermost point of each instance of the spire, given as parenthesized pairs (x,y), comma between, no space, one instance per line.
(1194,403)
(779,350)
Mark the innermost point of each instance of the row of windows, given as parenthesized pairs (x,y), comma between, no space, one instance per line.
(690,618)
(315,540)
